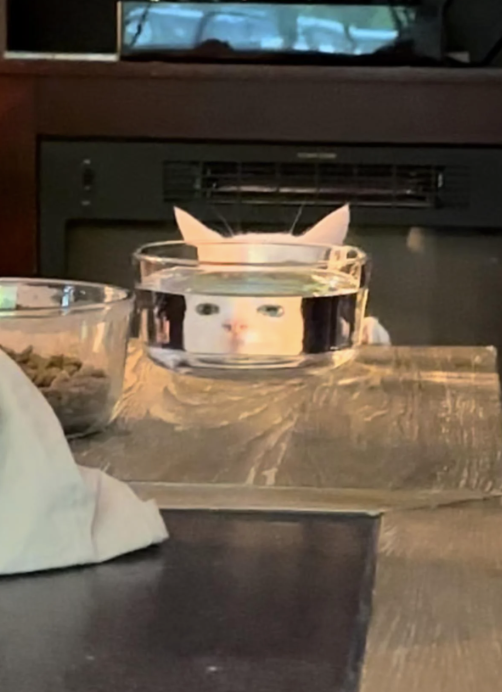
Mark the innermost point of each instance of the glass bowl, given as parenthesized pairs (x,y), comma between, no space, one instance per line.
(70,338)
(242,306)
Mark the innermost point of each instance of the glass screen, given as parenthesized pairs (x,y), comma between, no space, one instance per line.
(261,27)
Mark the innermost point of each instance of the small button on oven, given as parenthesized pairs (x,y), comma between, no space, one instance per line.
(88,181)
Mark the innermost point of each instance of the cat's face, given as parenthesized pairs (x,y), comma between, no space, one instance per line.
(247,325)
(243,325)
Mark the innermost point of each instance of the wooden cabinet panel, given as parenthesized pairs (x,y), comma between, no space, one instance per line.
(266,104)
(18,195)
(3,25)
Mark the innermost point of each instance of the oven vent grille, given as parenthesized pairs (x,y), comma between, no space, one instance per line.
(393,186)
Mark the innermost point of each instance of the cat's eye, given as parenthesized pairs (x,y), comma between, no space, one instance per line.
(207,309)
(271,310)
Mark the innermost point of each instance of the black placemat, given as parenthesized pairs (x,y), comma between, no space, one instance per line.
(234,602)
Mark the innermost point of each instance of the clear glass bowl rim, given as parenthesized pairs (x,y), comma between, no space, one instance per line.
(143,253)
(117,296)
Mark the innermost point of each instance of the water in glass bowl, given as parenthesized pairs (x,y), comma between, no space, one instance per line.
(197,319)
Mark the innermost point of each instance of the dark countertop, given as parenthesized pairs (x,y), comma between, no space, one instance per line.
(414,434)
(105,66)
(403,421)
(437,620)
(233,602)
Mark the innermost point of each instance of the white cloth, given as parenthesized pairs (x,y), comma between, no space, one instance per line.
(54,514)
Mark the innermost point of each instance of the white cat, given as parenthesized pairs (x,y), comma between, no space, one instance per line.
(257,325)
(329,231)
(244,325)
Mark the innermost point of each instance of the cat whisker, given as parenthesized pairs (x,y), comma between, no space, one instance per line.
(224,221)
(296,219)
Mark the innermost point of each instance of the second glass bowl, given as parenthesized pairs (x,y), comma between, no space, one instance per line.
(70,338)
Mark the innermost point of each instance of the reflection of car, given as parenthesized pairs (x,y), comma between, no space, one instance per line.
(324,35)
(243,30)
(181,27)
(250,27)
(370,40)
(173,27)
(330,36)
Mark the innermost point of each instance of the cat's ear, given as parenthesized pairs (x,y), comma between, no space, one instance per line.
(194,232)
(331,230)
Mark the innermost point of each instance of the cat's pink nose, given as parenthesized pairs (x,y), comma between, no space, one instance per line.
(236,328)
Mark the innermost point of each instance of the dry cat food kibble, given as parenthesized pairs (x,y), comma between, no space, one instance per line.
(78,393)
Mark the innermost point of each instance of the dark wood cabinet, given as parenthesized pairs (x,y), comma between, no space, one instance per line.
(74,100)
(18,183)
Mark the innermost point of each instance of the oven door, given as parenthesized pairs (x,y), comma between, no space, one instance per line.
(428,286)
(431,219)
(436,286)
